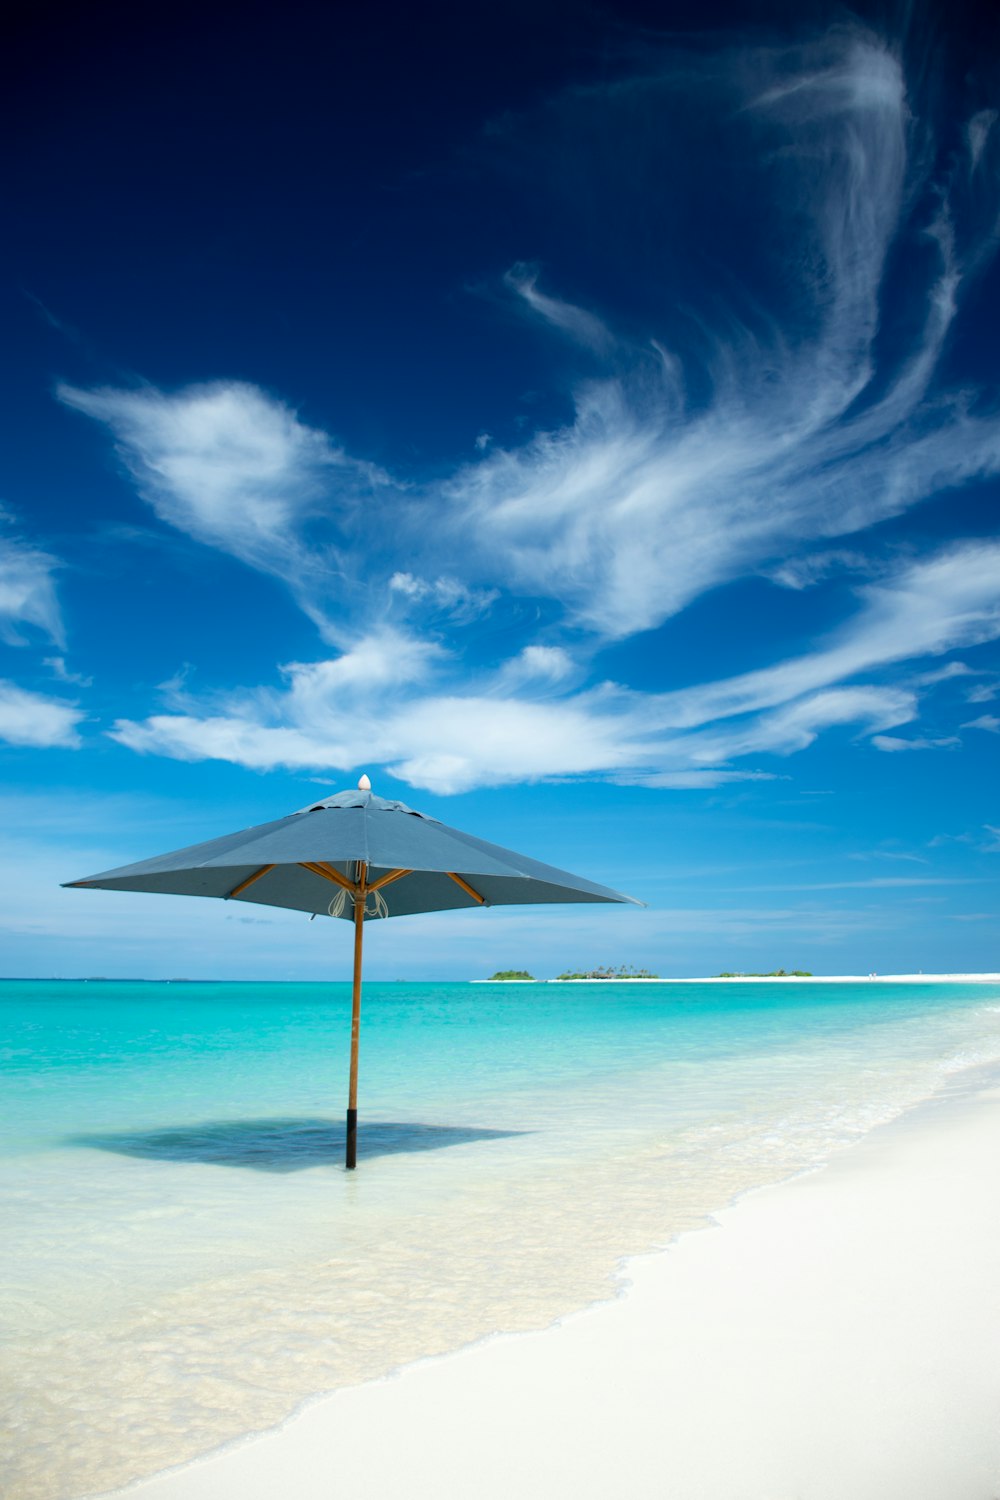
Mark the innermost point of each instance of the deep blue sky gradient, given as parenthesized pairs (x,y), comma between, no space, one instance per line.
(601,353)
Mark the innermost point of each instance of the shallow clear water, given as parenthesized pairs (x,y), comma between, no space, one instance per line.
(187,1259)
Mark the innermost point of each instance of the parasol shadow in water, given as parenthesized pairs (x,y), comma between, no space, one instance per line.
(281,1145)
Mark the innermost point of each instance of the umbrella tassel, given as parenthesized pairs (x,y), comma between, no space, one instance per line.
(379,907)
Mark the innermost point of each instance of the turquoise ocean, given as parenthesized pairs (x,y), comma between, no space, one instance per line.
(186,1259)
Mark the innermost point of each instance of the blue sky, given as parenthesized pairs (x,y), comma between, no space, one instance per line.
(583,422)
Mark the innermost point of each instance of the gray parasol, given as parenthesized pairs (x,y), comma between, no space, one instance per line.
(354,856)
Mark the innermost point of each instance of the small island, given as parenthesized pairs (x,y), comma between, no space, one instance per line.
(624,971)
(772,974)
(521,974)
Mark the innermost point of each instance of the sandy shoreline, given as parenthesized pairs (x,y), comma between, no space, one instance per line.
(774,979)
(834,1335)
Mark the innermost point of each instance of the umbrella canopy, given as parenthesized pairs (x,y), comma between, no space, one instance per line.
(354,856)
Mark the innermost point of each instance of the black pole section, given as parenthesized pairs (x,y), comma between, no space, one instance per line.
(352,1138)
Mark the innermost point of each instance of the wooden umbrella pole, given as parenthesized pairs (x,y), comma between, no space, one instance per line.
(352,1092)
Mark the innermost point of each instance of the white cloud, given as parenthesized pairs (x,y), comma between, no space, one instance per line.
(917,859)
(389,701)
(682,469)
(747,451)
(373,665)
(653,495)
(539,666)
(236,469)
(892,744)
(576,322)
(803,572)
(27,591)
(942,603)
(991,846)
(57,666)
(31,719)
(689,781)
(440,742)
(979,128)
(227,738)
(796,725)
(445,595)
(888,882)
(989,722)
(946,673)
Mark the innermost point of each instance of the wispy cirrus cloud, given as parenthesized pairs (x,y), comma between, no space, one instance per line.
(444,596)
(888,882)
(576,322)
(939,604)
(740,437)
(28,598)
(988,845)
(393,700)
(978,132)
(27,590)
(894,854)
(718,441)
(946,673)
(37,721)
(57,666)
(237,470)
(654,493)
(893,744)
(540,667)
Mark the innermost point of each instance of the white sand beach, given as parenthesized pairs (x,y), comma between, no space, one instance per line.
(837,1335)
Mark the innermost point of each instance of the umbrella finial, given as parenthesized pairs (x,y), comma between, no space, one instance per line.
(364,785)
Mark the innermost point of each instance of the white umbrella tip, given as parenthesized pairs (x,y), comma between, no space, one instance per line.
(364,785)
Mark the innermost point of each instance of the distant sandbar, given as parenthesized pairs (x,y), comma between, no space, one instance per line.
(775,979)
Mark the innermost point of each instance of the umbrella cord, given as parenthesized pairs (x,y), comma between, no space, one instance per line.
(379,909)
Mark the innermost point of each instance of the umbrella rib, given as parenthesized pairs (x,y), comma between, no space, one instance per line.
(329,873)
(466,887)
(376,885)
(249,881)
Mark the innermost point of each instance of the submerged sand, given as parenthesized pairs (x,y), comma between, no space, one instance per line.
(835,1335)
